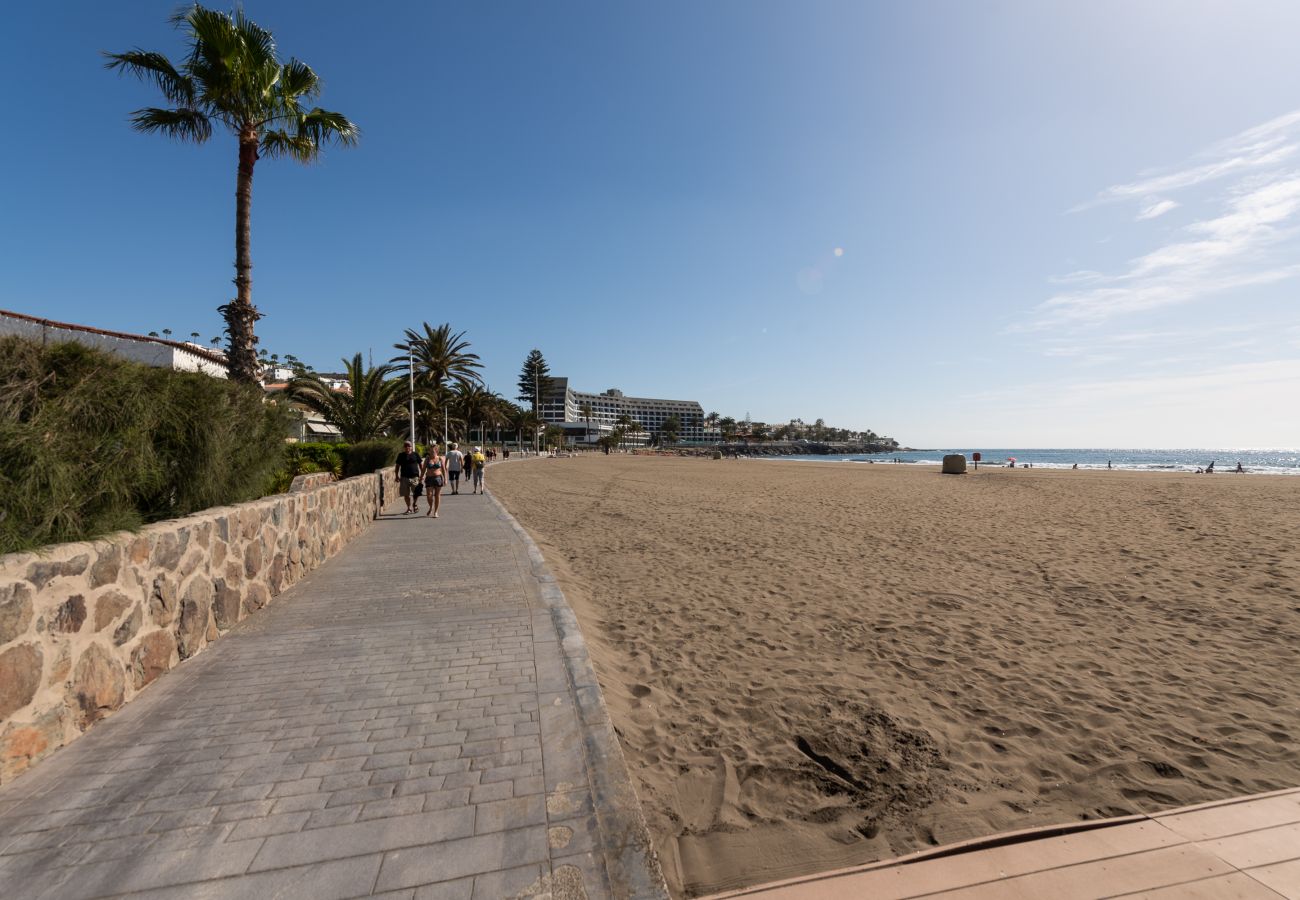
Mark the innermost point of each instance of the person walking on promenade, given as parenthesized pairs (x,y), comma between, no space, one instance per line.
(433,470)
(455,462)
(477,463)
(407,470)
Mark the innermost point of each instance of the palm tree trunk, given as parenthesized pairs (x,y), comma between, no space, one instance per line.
(240,314)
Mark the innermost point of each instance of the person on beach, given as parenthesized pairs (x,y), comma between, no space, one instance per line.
(1239,470)
(432,471)
(407,470)
(1209,470)
(455,463)
(477,463)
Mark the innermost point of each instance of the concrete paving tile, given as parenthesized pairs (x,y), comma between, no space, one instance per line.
(503,815)
(334,880)
(516,882)
(291,788)
(460,889)
(396,806)
(1258,848)
(300,803)
(1284,877)
(446,799)
(337,815)
(155,870)
(360,795)
(457,858)
(1237,886)
(276,824)
(486,793)
(364,837)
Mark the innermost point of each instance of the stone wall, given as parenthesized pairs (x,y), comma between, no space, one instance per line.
(84,627)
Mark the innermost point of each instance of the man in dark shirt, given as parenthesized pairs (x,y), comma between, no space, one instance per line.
(407,471)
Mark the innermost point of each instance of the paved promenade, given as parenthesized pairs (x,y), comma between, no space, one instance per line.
(416,719)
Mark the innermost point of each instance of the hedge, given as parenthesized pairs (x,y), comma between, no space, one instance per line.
(91,443)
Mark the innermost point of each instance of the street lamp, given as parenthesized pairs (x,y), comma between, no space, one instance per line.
(410,357)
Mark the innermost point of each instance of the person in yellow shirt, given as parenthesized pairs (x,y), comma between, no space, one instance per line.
(476,462)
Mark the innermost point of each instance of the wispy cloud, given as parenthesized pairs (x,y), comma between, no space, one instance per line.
(1155,207)
(1261,147)
(1239,244)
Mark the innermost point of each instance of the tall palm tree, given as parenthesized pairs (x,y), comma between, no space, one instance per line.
(372,405)
(624,422)
(587,414)
(441,358)
(233,76)
(529,422)
(635,429)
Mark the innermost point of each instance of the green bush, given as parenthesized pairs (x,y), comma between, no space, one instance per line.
(366,456)
(91,443)
(324,456)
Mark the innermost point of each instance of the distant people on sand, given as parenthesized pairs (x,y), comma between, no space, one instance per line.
(455,463)
(1239,470)
(1209,470)
(433,470)
(407,470)
(1108,465)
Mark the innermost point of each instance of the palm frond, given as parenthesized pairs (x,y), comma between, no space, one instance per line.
(155,67)
(279,143)
(298,81)
(324,127)
(183,124)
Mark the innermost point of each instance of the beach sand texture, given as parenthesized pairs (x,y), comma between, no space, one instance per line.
(812,665)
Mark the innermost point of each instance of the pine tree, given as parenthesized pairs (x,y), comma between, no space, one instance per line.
(533,379)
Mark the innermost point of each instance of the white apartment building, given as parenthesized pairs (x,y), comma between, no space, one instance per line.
(562,405)
(151,351)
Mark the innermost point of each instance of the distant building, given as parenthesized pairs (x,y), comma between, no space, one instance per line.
(561,405)
(151,351)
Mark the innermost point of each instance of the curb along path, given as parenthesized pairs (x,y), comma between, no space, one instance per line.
(418,718)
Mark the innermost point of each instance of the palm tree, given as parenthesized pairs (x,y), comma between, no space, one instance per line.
(441,358)
(233,76)
(624,423)
(634,428)
(530,422)
(587,414)
(372,405)
(474,403)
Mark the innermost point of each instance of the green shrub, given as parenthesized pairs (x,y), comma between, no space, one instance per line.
(325,456)
(366,456)
(91,443)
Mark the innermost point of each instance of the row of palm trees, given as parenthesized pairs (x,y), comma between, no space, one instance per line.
(436,368)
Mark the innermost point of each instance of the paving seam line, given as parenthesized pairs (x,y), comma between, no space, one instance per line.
(614,799)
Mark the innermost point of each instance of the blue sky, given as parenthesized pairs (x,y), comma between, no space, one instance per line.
(1060,225)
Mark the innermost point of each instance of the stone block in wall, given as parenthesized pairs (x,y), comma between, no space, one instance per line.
(226,601)
(152,657)
(69,615)
(99,685)
(15,610)
(107,566)
(255,597)
(162,599)
(130,626)
(192,630)
(21,743)
(253,558)
(20,676)
(108,606)
(61,665)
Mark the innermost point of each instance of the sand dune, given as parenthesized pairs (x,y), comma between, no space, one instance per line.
(812,665)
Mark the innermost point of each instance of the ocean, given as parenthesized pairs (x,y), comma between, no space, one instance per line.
(1255,462)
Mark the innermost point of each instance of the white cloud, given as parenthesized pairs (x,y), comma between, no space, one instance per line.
(1229,251)
(1155,207)
(1254,149)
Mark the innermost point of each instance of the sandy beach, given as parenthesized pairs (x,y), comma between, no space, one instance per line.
(813,665)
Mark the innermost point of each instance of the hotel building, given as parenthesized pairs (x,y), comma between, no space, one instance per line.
(561,405)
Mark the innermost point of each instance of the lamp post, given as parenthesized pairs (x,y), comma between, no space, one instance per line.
(537,409)
(410,357)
